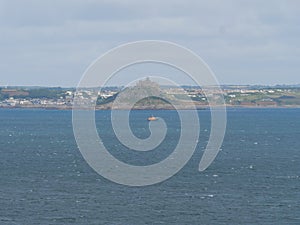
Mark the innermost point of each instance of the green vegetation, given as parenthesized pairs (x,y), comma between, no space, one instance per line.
(3,96)
(153,100)
(49,93)
(279,96)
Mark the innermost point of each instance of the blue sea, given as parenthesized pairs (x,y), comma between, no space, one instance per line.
(255,178)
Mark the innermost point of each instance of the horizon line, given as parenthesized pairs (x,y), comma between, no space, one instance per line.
(182,85)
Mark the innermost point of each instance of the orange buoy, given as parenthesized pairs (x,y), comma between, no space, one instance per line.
(152,118)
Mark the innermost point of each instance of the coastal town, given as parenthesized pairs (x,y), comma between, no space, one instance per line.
(234,96)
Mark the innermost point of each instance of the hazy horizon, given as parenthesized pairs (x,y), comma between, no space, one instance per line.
(58,86)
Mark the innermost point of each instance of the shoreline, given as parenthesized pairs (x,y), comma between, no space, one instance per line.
(153,108)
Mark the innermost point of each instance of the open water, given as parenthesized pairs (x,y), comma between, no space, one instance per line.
(255,179)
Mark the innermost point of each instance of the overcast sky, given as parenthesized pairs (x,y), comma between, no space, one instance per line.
(51,43)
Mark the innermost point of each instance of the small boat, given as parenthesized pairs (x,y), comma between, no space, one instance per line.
(152,118)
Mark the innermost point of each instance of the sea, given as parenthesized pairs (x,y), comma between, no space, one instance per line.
(255,179)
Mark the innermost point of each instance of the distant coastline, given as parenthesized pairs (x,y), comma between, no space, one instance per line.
(186,97)
(151,108)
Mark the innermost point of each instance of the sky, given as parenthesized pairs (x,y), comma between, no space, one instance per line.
(51,43)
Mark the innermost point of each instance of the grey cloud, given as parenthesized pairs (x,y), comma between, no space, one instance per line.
(69,34)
